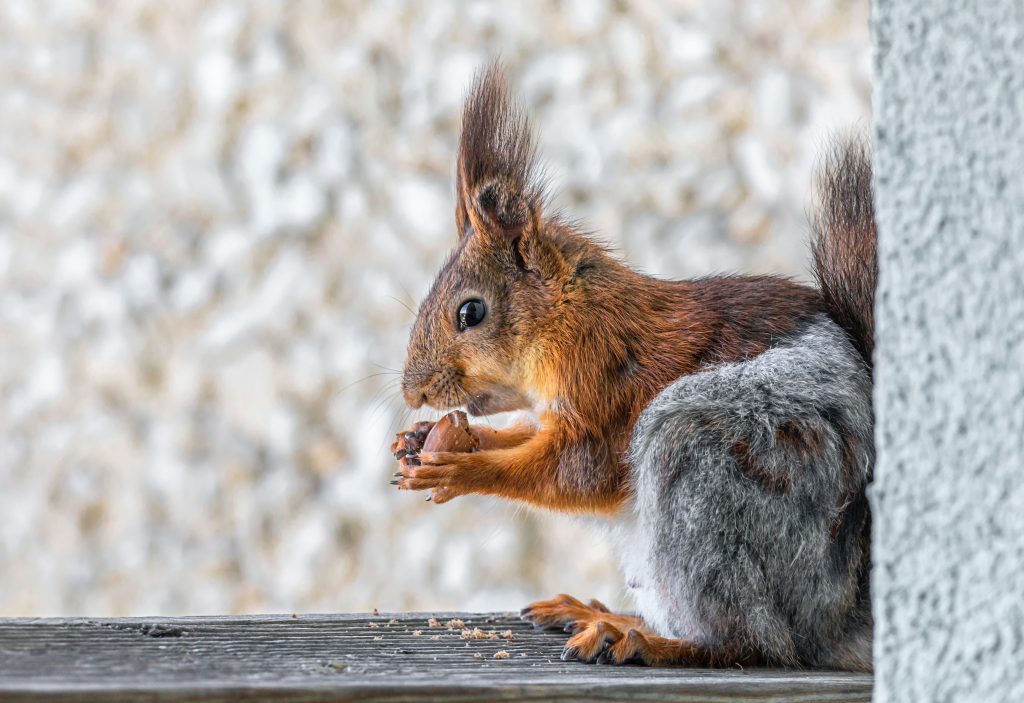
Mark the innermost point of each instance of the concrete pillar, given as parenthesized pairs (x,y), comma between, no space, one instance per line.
(948,497)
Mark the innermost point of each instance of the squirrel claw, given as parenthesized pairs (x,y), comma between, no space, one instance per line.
(444,474)
(408,443)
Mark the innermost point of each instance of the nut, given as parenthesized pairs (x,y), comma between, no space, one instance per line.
(451,434)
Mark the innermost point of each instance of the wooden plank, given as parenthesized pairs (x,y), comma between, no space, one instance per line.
(379,658)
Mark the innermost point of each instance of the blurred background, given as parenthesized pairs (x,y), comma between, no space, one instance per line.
(216,216)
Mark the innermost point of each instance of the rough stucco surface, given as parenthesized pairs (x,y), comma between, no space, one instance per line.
(948,497)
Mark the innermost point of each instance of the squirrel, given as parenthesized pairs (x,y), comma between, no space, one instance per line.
(723,425)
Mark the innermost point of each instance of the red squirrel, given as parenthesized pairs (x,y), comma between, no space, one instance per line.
(723,425)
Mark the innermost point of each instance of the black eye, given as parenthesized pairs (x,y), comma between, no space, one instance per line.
(471,313)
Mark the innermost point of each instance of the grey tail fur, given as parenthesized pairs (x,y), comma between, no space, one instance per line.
(844,243)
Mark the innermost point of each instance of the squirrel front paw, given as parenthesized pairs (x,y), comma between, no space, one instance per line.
(433,456)
(409,442)
(444,473)
(451,433)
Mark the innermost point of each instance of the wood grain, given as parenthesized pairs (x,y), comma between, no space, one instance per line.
(377,658)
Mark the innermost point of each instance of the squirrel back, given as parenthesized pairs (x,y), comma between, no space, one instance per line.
(844,243)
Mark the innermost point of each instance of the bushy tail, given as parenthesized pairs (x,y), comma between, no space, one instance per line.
(845,259)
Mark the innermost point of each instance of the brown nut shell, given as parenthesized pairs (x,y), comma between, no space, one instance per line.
(451,434)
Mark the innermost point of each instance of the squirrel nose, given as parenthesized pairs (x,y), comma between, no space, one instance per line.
(415,399)
(415,383)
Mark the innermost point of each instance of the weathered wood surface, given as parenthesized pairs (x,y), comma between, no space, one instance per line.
(380,658)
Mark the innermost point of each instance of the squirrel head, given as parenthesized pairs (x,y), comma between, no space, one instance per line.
(482,325)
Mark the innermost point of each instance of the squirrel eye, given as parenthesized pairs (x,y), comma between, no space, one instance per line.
(471,313)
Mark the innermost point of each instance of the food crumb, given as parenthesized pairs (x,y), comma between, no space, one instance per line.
(435,637)
(295,616)
(478,655)
(392,621)
(376,612)
(455,624)
(373,625)
(477,634)
(509,635)
(378,638)
(432,622)
(501,654)
(417,633)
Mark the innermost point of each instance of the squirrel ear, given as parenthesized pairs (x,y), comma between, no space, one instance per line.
(500,210)
(499,194)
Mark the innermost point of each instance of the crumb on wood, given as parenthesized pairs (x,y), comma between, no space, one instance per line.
(478,655)
(432,622)
(378,638)
(455,624)
(373,625)
(295,616)
(435,637)
(391,622)
(417,633)
(477,634)
(501,654)
(508,635)
(376,612)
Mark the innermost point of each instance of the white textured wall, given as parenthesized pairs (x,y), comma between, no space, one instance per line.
(213,213)
(949,486)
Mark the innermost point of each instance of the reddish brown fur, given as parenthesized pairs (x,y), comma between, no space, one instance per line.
(773,482)
(803,441)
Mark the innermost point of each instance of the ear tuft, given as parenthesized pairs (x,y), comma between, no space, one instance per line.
(498,188)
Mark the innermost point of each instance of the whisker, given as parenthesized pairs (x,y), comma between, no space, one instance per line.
(381,400)
(407,293)
(395,426)
(364,378)
(464,392)
(401,416)
(398,420)
(404,305)
(384,395)
(460,393)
